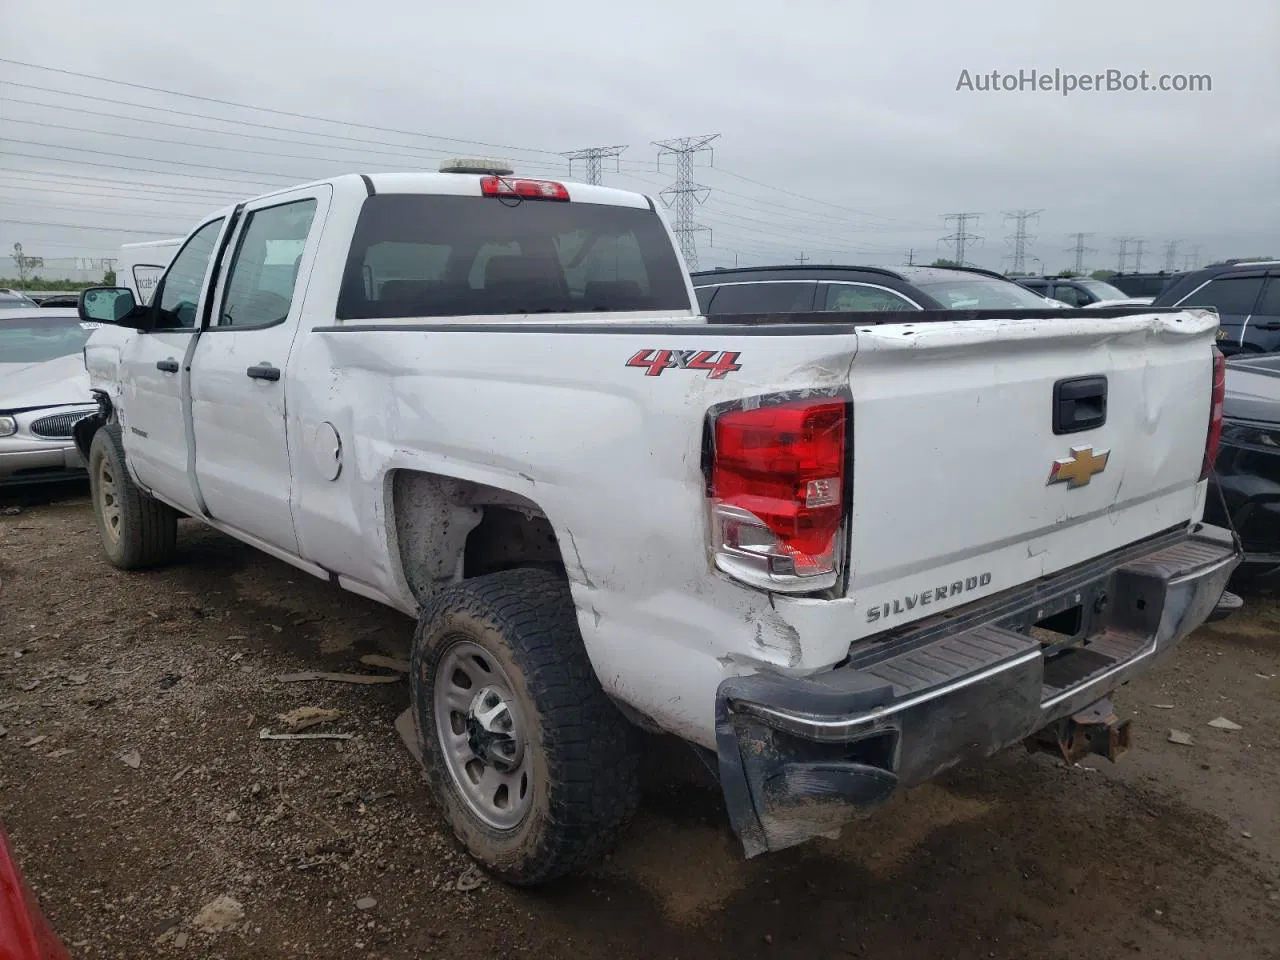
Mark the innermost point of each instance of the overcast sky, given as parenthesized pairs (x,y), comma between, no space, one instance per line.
(842,134)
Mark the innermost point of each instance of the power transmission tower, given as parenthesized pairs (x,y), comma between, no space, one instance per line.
(961,238)
(802,258)
(685,191)
(1080,250)
(1191,261)
(1020,238)
(1124,252)
(1138,244)
(1171,255)
(594,157)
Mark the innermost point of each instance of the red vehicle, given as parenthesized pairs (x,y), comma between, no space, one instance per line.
(24,932)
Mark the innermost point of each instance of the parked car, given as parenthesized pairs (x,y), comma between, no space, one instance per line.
(62,300)
(1142,284)
(804,289)
(835,557)
(13,300)
(1248,466)
(1080,291)
(44,390)
(1246,294)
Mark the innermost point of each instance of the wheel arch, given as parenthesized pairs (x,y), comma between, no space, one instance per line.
(445,529)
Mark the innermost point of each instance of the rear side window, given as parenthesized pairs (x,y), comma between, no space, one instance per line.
(764,297)
(265,267)
(1231,295)
(435,256)
(861,298)
(1270,305)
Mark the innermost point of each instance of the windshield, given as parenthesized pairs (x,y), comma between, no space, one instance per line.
(982,293)
(430,256)
(37,339)
(1103,291)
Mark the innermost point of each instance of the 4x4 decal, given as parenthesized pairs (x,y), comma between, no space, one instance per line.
(718,363)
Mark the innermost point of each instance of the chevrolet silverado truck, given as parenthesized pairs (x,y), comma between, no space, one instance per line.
(837,553)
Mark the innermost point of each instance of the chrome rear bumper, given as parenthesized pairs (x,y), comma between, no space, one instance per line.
(799,757)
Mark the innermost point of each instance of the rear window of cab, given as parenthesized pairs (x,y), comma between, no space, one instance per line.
(429,256)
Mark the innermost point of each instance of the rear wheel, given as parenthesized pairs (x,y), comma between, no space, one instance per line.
(136,531)
(533,765)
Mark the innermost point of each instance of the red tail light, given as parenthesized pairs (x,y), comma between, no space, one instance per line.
(525,189)
(1215,413)
(777,484)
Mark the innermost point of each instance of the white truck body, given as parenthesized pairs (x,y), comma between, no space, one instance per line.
(141,265)
(383,439)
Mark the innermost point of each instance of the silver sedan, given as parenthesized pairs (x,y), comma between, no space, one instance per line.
(44,391)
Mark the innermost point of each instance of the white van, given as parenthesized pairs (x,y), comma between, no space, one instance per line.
(143,264)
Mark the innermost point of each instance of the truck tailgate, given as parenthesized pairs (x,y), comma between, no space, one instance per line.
(955,490)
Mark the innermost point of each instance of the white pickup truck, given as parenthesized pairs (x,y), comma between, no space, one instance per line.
(837,553)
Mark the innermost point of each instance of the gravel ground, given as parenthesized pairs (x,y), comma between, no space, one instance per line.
(154,821)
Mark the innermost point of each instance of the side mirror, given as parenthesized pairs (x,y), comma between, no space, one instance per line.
(113,305)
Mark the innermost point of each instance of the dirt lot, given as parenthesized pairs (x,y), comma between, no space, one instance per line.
(137,790)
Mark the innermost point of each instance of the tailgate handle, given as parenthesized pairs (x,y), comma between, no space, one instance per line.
(1079,404)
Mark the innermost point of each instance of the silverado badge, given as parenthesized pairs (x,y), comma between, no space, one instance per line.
(1079,468)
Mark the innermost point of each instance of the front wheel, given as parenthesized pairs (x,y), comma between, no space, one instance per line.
(136,530)
(533,765)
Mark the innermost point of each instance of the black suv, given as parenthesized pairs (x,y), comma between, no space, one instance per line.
(1143,284)
(804,289)
(1247,295)
(1074,291)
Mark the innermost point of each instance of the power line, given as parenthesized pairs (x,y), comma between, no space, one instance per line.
(593,157)
(118,134)
(825,203)
(87,226)
(283,113)
(755,201)
(1080,250)
(1171,255)
(685,190)
(129,156)
(961,238)
(1020,238)
(114,184)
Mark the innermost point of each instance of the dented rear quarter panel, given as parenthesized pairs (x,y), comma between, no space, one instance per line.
(610,455)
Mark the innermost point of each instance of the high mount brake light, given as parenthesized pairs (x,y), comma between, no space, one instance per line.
(1217,396)
(777,477)
(524,189)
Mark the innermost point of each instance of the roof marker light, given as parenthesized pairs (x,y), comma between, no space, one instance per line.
(488,165)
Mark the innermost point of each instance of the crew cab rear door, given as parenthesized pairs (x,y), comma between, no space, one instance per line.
(238,382)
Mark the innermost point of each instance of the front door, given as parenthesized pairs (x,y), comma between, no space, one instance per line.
(155,365)
(238,373)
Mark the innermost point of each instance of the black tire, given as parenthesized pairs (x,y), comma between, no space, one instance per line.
(136,531)
(583,755)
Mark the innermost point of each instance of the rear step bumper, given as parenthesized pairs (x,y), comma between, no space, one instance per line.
(799,757)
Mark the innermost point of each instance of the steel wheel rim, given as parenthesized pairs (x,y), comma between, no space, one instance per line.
(482,733)
(108,500)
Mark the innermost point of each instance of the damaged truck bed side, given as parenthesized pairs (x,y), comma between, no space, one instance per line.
(837,554)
